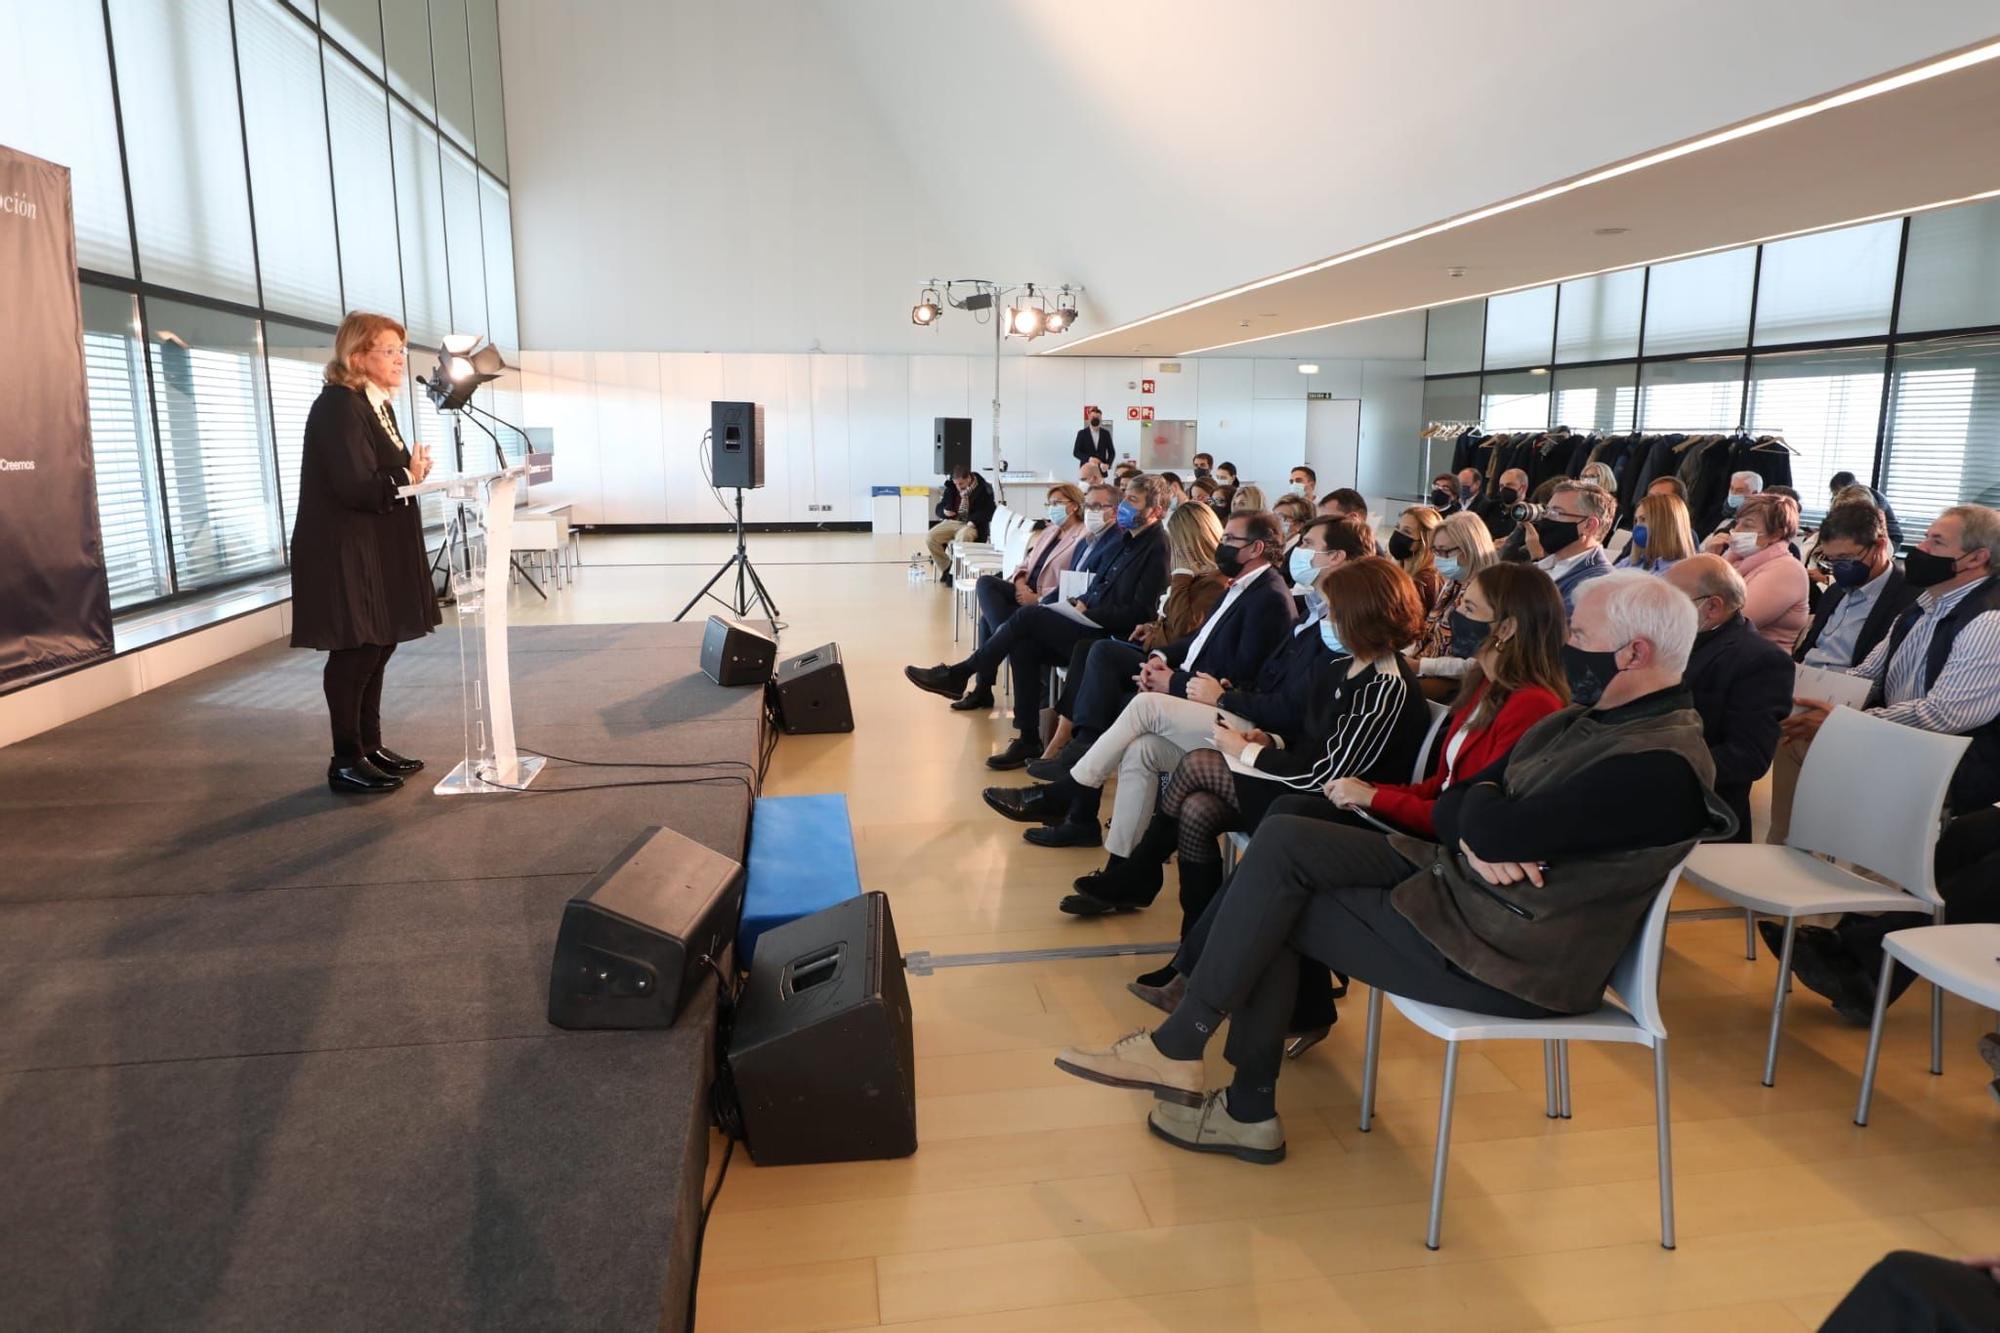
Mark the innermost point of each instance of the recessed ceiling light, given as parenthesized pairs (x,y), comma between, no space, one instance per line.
(1455,271)
(1308,368)
(1267,314)
(1610,231)
(1538,370)
(1242,323)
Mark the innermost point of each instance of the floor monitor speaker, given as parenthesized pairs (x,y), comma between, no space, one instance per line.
(811,692)
(736,445)
(733,653)
(951,444)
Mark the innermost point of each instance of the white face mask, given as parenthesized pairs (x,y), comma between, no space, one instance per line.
(1744,543)
(1094,520)
(1058,514)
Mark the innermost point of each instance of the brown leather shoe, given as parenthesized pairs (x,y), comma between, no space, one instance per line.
(1134,1062)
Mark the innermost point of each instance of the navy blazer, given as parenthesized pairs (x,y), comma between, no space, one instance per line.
(1241,641)
(1125,594)
(1896,595)
(1742,687)
(1276,700)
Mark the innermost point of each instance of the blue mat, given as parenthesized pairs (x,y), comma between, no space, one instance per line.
(801,861)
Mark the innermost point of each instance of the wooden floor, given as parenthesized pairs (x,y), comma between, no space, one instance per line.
(1041,1202)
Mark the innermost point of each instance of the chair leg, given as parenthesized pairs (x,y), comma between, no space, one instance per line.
(1937,1028)
(1551,1108)
(1778,1002)
(1443,1145)
(1874,1040)
(1371,1056)
(1666,1135)
(1749,934)
(1562,1078)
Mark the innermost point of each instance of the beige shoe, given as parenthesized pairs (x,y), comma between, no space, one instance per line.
(1210,1128)
(1134,1062)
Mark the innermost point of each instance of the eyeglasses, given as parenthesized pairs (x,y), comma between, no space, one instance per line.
(1099,506)
(1445,551)
(395,353)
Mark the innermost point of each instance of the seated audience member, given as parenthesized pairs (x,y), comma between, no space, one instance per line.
(1350,503)
(1060,542)
(1470,493)
(1294,512)
(1544,867)
(1866,588)
(1201,490)
(1176,491)
(1089,473)
(1124,591)
(1224,499)
(1248,499)
(1742,485)
(964,510)
(1204,465)
(1443,652)
(1661,534)
(1759,545)
(1741,682)
(1124,472)
(1602,474)
(1910,1292)
(1225,473)
(1305,484)
(1567,541)
(1156,728)
(1410,547)
(1497,513)
(1443,495)
(1669,485)
(1840,481)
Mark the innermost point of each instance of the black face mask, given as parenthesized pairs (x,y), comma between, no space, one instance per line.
(1509,495)
(1401,544)
(1097,421)
(1921,569)
(1589,673)
(1442,499)
(1467,634)
(1556,533)
(1228,560)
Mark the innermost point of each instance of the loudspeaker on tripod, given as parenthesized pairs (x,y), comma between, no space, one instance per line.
(822,1054)
(811,692)
(630,950)
(736,444)
(733,653)
(951,439)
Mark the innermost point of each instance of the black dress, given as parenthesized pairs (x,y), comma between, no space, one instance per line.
(359,573)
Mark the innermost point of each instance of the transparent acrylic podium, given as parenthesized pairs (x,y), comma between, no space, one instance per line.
(479,590)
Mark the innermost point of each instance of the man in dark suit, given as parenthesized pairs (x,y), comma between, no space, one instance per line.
(964,512)
(1094,441)
(1497,510)
(1741,682)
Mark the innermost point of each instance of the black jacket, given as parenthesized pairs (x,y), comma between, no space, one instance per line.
(359,572)
(1742,687)
(1102,452)
(1276,700)
(1242,639)
(1127,593)
(975,507)
(1896,595)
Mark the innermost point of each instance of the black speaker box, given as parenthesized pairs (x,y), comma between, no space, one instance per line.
(630,948)
(822,1055)
(811,691)
(736,444)
(952,443)
(733,653)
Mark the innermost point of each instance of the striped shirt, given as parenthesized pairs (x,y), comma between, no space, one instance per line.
(1966,693)
(1366,725)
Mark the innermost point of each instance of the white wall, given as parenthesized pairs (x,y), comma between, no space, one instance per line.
(628,425)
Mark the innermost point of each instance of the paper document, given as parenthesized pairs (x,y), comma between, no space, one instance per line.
(1065,608)
(1834,686)
(1073,583)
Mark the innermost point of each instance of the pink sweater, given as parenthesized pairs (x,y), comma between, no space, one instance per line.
(1068,545)
(1777,601)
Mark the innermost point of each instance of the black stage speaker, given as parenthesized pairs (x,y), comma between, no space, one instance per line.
(811,692)
(733,653)
(736,443)
(822,1054)
(630,949)
(952,441)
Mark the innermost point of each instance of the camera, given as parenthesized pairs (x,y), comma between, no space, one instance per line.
(1527,513)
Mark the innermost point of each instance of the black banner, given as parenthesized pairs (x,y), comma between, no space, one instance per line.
(55,608)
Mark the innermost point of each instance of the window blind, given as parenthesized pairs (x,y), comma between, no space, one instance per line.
(296,360)
(1827,404)
(1944,415)
(128,497)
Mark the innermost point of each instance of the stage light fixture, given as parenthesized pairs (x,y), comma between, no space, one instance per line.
(926,311)
(1064,314)
(465,361)
(1025,321)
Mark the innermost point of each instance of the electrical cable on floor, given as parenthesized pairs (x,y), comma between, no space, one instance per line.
(728,1117)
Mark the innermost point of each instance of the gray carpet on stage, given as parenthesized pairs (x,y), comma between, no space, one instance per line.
(271,1058)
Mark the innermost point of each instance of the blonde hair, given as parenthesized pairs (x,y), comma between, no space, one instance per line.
(1669,535)
(1428,520)
(1068,494)
(357,334)
(1249,499)
(1193,533)
(1467,531)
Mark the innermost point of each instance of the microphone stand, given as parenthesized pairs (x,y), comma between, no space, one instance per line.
(500,459)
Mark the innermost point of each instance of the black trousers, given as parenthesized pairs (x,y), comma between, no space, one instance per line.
(1967,865)
(1907,1292)
(995,598)
(1309,887)
(1093,699)
(353,682)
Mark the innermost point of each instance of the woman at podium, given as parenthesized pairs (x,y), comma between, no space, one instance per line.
(360,580)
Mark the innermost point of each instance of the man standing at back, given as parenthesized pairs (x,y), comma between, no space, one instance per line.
(1094,440)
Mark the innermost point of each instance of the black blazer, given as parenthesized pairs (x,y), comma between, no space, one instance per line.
(1241,641)
(1896,596)
(1126,594)
(359,572)
(1276,700)
(1742,687)
(1102,452)
(975,507)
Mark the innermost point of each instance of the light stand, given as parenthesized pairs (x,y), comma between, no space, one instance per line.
(750,590)
(458,522)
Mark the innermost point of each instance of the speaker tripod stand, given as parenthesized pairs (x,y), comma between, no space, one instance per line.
(750,590)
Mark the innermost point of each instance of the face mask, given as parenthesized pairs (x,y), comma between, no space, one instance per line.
(1401,544)
(1589,673)
(1226,478)
(1468,634)
(1284,526)
(1735,500)
(1058,514)
(1452,570)
(1128,514)
(1509,495)
(1921,569)
(1300,566)
(1441,499)
(1851,573)
(1299,485)
(1639,532)
(1330,636)
(1097,421)
(1094,521)
(1228,561)
(1173,503)
(1744,543)
(1315,604)
(1556,533)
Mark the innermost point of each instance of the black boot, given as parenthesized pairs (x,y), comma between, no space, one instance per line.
(1200,882)
(1129,882)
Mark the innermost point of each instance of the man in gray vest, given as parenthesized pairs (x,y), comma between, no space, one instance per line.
(1545,866)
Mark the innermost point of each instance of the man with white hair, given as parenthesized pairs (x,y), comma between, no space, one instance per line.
(1545,866)
(1742,485)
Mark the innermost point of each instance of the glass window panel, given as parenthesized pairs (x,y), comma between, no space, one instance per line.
(1944,414)
(121,444)
(1836,284)
(1691,395)
(1827,405)
(424,424)
(465,252)
(184,145)
(451,63)
(1517,401)
(356,25)
(1520,327)
(289,174)
(1597,397)
(1951,277)
(1452,400)
(1452,337)
(215,443)
(1598,318)
(406,32)
(296,362)
(55,102)
(1693,305)
(420,215)
(488,114)
(498,227)
(364,188)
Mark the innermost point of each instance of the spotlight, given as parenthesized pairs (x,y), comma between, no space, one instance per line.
(1064,314)
(926,311)
(1025,321)
(465,362)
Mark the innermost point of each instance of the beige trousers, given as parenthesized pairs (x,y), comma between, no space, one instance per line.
(941,538)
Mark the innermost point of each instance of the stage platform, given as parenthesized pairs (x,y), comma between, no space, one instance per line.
(272,1058)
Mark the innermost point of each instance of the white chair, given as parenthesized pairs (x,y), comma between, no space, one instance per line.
(1892,833)
(1013,549)
(1964,960)
(538,539)
(1635,1020)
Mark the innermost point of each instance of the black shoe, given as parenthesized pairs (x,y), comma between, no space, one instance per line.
(939,679)
(1129,884)
(390,762)
(979,701)
(1025,805)
(352,776)
(1048,770)
(1082,904)
(1018,752)
(1823,966)
(1066,834)
(1773,935)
